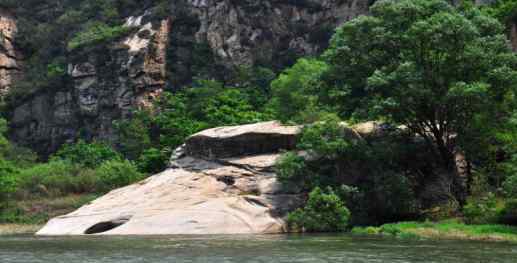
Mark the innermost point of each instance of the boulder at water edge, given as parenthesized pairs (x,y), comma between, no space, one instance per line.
(221,182)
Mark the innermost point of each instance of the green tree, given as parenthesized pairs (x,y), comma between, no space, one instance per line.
(153,160)
(295,91)
(116,173)
(510,186)
(174,121)
(444,74)
(230,107)
(134,134)
(504,10)
(376,166)
(89,155)
(3,141)
(95,33)
(8,180)
(324,212)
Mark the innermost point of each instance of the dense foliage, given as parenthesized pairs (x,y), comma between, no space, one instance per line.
(324,212)
(114,174)
(445,75)
(89,155)
(335,155)
(149,137)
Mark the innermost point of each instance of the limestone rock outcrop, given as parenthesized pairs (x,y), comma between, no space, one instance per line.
(107,82)
(10,58)
(235,193)
(250,32)
(195,39)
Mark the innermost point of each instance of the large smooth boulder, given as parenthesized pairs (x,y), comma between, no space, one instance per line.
(234,195)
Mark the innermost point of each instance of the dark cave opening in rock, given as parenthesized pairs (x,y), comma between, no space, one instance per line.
(106,226)
(228,180)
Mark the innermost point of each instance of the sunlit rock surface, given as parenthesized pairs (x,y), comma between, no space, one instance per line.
(237,193)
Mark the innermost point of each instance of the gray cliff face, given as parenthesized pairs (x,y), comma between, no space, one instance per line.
(199,38)
(245,33)
(106,84)
(10,58)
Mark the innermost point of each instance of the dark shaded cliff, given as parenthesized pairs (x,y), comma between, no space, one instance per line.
(166,46)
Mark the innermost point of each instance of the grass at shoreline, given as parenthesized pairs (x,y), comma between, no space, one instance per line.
(17,229)
(28,216)
(451,229)
(39,211)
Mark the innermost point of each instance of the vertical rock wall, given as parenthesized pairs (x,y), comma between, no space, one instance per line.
(249,32)
(10,58)
(108,81)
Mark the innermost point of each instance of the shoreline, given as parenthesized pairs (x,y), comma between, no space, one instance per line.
(444,230)
(19,229)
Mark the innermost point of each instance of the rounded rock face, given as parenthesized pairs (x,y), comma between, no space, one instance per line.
(252,139)
(238,195)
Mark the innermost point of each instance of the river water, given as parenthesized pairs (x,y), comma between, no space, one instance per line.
(276,248)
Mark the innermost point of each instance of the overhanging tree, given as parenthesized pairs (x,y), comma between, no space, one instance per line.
(447,74)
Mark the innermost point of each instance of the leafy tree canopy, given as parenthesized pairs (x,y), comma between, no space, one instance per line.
(447,75)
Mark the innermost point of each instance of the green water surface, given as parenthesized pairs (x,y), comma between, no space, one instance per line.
(275,248)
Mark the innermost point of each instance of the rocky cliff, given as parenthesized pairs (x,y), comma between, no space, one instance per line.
(106,84)
(214,186)
(197,38)
(246,33)
(207,39)
(10,57)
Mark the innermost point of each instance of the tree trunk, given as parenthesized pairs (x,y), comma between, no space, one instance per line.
(457,168)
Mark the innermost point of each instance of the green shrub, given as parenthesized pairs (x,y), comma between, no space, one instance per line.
(504,10)
(16,215)
(481,210)
(95,33)
(325,144)
(8,180)
(295,90)
(390,229)
(326,138)
(134,135)
(230,107)
(175,121)
(324,212)
(510,186)
(55,178)
(152,161)
(22,157)
(509,213)
(115,173)
(89,155)
(290,169)
(366,230)
(335,155)
(211,102)
(3,130)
